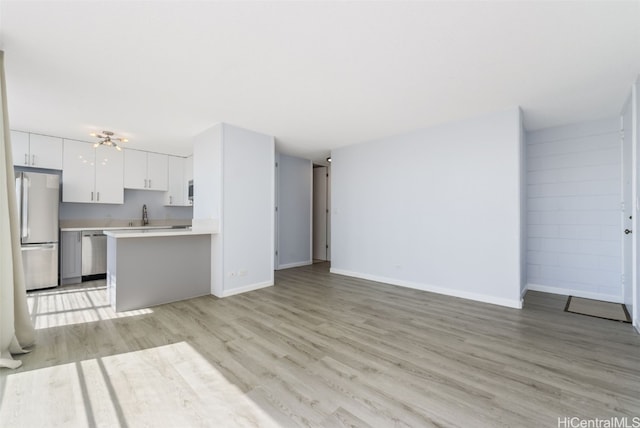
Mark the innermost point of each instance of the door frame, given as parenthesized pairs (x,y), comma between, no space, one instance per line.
(327,212)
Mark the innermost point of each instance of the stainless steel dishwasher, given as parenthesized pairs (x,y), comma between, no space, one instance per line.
(94,253)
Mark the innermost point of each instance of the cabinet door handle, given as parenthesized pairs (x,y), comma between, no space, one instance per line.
(33,159)
(92,196)
(98,194)
(26,159)
(145,183)
(170,200)
(149,183)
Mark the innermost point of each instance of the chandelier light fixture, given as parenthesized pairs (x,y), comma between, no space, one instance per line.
(107,139)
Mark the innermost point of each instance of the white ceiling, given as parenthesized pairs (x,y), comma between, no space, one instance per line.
(316,75)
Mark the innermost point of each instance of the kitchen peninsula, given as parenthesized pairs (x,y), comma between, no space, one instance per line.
(147,267)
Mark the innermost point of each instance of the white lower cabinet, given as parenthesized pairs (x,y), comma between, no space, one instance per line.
(70,257)
(92,175)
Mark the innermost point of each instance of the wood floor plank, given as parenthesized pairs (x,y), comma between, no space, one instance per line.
(318,350)
(343,418)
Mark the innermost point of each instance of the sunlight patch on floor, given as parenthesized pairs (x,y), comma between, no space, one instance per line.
(172,385)
(73,306)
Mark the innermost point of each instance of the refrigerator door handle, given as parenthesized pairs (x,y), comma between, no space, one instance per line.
(25,207)
(19,198)
(38,247)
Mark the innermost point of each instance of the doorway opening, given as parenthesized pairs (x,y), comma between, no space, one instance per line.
(321,236)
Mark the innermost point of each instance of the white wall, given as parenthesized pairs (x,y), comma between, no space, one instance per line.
(207,174)
(207,196)
(574,195)
(234,188)
(294,201)
(248,204)
(436,209)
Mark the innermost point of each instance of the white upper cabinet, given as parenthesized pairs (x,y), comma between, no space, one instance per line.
(20,148)
(46,152)
(158,171)
(92,175)
(144,170)
(78,175)
(135,169)
(109,175)
(38,151)
(175,195)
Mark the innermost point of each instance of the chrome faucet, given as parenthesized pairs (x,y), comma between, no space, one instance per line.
(145,217)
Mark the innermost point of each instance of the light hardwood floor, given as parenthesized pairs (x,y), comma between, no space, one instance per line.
(318,350)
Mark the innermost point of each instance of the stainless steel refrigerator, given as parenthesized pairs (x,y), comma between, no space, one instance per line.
(38,200)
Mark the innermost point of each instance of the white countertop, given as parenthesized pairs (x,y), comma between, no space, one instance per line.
(150,233)
(80,229)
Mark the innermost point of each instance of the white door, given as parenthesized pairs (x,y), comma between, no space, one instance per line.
(320,213)
(629,207)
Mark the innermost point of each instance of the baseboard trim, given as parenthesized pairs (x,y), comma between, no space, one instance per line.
(296,264)
(576,293)
(524,292)
(510,303)
(246,288)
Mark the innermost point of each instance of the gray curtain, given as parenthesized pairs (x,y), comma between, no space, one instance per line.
(16,328)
